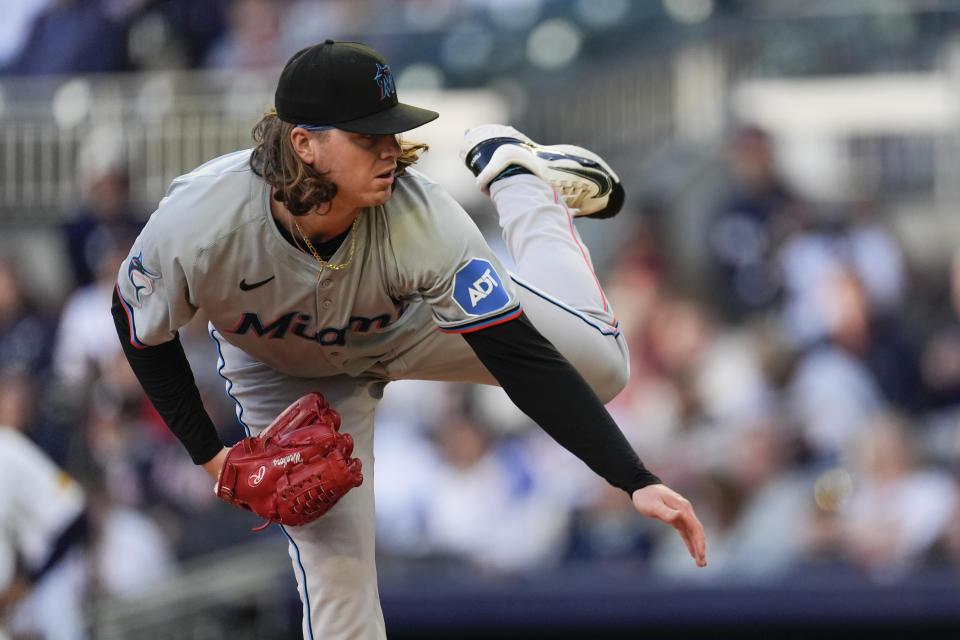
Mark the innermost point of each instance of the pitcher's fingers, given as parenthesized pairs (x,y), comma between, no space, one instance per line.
(687,537)
(697,540)
(679,520)
(662,511)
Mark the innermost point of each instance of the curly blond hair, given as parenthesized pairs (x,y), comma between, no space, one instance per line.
(297,185)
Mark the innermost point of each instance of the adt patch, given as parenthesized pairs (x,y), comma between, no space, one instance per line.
(478,290)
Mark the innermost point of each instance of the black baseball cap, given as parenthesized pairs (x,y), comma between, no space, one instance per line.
(344,85)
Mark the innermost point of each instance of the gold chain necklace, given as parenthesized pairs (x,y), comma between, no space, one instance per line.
(324,263)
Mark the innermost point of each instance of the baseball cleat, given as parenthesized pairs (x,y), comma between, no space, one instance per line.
(587,184)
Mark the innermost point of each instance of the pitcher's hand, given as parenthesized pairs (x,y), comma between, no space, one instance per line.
(663,503)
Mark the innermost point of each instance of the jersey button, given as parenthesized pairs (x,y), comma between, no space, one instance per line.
(326,304)
(326,284)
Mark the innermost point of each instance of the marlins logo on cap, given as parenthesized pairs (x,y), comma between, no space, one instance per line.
(385,81)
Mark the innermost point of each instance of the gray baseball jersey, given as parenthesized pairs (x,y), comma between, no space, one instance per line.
(285,327)
(420,263)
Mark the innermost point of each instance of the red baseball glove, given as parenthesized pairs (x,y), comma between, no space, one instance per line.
(296,469)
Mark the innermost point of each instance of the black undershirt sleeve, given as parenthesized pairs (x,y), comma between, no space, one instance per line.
(546,387)
(166,378)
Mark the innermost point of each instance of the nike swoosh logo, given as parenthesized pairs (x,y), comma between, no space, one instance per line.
(253,285)
(597,177)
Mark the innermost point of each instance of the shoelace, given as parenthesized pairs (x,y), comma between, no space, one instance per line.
(573,192)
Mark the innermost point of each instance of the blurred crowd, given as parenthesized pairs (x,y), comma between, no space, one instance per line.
(64,37)
(455,42)
(809,406)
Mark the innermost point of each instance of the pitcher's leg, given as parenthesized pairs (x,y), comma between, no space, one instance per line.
(532,187)
(597,350)
(333,560)
(333,557)
(546,247)
(559,289)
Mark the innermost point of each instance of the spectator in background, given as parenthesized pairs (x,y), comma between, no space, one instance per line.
(43,526)
(119,436)
(402,489)
(746,229)
(29,407)
(16,399)
(898,509)
(947,549)
(26,347)
(603,532)
(94,241)
(84,351)
(253,40)
(776,498)
(130,551)
(876,257)
(807,257)
(866,362)
(723,500)
(940,357)
(879,339)
(106,213)
(25,334)
(303,20)
(813,249)
(182,32)
(16,25)
(482,480)
(73,37)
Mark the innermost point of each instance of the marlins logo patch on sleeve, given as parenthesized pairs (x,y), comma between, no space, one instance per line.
(478,289)
(140,276)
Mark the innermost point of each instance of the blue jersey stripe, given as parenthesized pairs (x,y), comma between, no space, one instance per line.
(604,329)
(486,322)
(129,310)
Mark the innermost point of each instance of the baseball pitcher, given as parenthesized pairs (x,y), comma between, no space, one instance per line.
(329,267)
